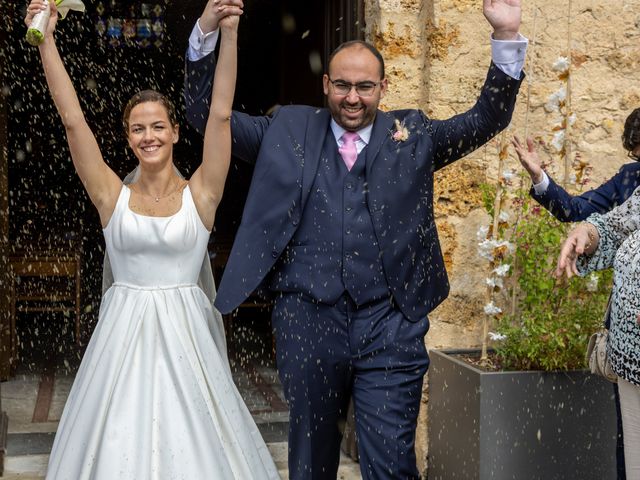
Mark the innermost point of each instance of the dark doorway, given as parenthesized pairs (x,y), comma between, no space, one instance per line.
(282,53)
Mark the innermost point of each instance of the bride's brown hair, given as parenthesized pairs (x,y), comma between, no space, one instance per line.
(144,96)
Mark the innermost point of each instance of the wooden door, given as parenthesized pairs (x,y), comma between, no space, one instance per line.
(344,21)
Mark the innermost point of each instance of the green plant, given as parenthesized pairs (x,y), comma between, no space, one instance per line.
(552,320)
(547,321)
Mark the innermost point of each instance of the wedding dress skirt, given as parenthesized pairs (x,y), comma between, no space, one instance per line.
(154,397)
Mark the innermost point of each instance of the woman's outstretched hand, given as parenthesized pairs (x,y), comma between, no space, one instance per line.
(582,240)
(528,158)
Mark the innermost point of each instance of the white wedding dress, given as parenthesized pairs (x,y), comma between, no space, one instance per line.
(154,397)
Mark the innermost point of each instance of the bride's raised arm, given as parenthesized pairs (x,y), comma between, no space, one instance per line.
(207,182)
(101,183)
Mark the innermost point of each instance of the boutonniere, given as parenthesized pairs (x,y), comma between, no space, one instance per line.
(401,133)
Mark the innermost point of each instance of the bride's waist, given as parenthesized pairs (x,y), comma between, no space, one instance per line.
(153,287)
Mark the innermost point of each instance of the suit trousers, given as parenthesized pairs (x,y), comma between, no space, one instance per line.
(328,353)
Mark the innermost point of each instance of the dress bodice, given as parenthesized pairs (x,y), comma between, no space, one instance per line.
(153,252)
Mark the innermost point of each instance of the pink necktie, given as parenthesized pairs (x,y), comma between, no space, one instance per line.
(348,150)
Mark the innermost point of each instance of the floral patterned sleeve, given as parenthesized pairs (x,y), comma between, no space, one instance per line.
(613,227)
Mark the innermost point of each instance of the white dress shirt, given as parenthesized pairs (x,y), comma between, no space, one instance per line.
(363,141)
(201,44)
(541,188)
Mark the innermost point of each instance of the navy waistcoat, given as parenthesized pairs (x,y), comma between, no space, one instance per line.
(334,248)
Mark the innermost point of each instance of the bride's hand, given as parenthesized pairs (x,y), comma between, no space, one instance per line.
(37,6)
(230,22)
(216,10)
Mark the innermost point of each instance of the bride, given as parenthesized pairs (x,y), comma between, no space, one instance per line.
(154,397)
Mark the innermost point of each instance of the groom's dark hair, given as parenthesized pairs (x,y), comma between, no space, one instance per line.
(359,43)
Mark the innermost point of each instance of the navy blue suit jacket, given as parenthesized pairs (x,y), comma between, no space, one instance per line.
(569,208)
(286,150)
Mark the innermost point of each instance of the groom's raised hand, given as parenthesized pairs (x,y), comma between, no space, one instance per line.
(504,16)
(216,10)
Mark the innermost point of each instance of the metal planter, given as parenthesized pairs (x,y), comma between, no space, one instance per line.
(518,425)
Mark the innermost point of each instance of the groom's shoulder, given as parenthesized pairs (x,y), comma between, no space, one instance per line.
(409,117)
(301,110)
(298,114)
(405,114)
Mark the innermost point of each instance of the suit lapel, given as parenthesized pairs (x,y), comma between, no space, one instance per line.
(382,128)
(317,129)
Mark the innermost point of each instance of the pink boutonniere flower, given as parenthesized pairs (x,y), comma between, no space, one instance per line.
(401,133)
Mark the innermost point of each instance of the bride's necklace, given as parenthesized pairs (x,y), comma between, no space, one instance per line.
(157,198)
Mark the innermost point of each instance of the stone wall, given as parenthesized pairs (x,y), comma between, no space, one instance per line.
(437,53)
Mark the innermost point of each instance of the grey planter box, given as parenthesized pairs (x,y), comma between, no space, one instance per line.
(518,425)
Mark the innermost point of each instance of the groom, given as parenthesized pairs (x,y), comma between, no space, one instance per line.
(339,225)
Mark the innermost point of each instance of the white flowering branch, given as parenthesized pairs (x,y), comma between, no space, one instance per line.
(494,249)
(531,73)
(530,77)
(568,113)
(560,102)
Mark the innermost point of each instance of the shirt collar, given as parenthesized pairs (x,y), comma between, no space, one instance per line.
(365,133)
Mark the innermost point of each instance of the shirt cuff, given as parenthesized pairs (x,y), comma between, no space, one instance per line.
(541,188)
(508,55)
(201,44)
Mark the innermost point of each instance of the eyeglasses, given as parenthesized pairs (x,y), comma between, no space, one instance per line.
(363,89)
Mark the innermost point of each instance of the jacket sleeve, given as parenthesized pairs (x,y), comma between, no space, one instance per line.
(463,133)
(247,131)
(573,208)
(198,82)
